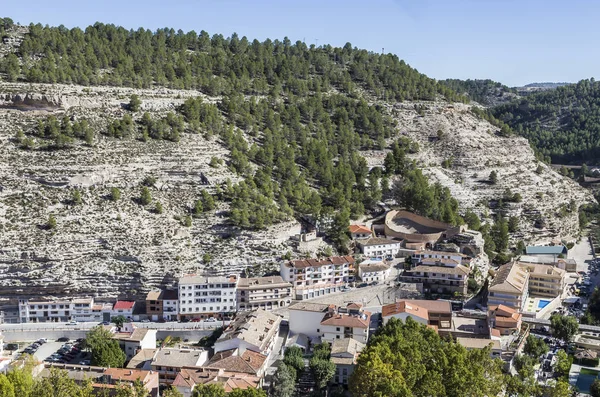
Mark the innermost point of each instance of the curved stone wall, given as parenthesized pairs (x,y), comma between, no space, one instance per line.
(395,231)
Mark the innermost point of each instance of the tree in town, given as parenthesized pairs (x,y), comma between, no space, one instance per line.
(105,350)
(322,370)
(7,389)
(284,381)
(115,194)
(145,196)
(22,379)
(210,390)
(118,320)
(171,392)
(293,358)
(58,384)
(595,388)
(51,223)
(134,103)
(249,392)
(408,359)
(563,364)
(535,347)
(564,327)
(493,178)
(561,388)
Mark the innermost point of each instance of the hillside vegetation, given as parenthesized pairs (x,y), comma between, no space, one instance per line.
(562,124)
(486,92)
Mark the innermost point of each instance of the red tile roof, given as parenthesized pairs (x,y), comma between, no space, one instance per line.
(359,229)
(334,260)
(347,320)
(123,305)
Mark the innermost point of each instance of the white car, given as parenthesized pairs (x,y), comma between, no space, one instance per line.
(72,322)
(210,320)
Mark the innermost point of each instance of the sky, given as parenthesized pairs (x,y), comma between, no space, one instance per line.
(514,42)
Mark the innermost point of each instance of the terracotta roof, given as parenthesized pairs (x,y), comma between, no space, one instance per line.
(249,362)
(141,358)
(235,381)
(511,277)
(432,306)
(257,328)
(190,377)
(354,305)
(446,261)
(405,307)
(126,374)
(373,267)
(334,260)
(153,295)
(123,305)
(346,345)
(347,320)
(459,269)
(137,335)
(495,332)
(359,229)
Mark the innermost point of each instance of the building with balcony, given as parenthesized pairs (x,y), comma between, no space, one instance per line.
(265,293)
(439,258)
(505,320)
(435,313)
(350,322)
(510,286)
(57,310)
(254,330)
(377,247)
(439,279)
(207,296)
(545,280)
(373,271)
(132,340)
(123,308)
(162,304)
(169,362)
(344,353)
(311,278)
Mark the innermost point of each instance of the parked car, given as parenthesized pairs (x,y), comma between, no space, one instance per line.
(196,320)
(84,362)
(62,339)
(41,341)
(210,320)
(361,285)
(72,322)
(145,321)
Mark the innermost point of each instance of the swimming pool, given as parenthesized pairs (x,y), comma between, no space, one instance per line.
(585,379)
(542,303)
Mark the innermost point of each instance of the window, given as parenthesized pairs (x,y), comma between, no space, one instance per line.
(337,329)
(337,337)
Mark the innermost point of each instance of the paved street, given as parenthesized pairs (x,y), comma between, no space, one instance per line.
(582,253)
(169,326)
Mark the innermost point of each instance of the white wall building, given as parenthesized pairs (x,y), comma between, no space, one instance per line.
(439,258)
(253,330)
(123,308)
(312,277)
(338,325)
(360,232)
(305,318)
(135,339)
(265,293)
(373,271)
(204,296)
(379,247)
(57,310)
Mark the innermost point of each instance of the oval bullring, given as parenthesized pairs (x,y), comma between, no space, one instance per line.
(416,229)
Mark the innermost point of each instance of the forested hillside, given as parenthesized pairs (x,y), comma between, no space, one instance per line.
(486,92)
(562,124)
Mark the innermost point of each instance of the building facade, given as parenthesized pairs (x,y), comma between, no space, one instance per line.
(439,279)
(265,293)
(510,286)
(206,296)
(57,310)
(312,277)
(379,247)
(373,271)
(545,280)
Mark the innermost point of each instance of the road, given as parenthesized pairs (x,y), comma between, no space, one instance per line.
(169,326)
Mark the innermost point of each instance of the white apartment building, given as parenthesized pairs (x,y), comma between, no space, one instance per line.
(57,310)
(379,247)
(265,293)
(313,277)
(207,296)
(439,258)
(373,271)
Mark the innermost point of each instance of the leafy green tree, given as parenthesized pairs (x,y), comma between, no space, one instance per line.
(294,359)
(563,364)
(562,388)
(249,392)
(145,196)
(134,103)
(535,347)
(284,381)
(171,392)
(209,390)
(388,366)
(323,371)
(206,258)
(11,67)
(22,380)
(472,220)
(564,327)
(57,384)
(105,350)
(118,320)
(7,389)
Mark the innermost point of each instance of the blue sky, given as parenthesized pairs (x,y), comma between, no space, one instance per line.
(512,41)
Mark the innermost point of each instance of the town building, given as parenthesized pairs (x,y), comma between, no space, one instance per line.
(439,258)
(553,252)
(435,313)
(352,324)
(249,362)
(358,232)
(169,362)
(170,300)
(311,278)
(207,296)
(104,380)
(132,340)
(344,353)
(143,359)
(162,305)
(265,293)
(510,286)
(377,247)
(439,279)
(154,305)
(256,330)
(373,271)
(188,378)
(305,318)
(123,308)
(480,343)
(545,280)
(56,310)
(505,320)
